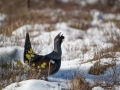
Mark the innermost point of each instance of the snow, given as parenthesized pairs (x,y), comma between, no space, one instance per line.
(2,18)
(117,87)
(33,85)
(98,88)
(8,54)
(97,17)
(76,51)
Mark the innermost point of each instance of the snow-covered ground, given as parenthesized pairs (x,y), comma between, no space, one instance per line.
(2,18)
(78,48)
(34,85)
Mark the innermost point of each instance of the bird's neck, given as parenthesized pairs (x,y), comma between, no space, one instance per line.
(57,48)
(56,53)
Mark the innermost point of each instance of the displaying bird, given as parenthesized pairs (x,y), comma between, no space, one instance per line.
(45,64)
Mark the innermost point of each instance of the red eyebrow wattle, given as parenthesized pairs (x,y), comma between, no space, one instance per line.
(56,37)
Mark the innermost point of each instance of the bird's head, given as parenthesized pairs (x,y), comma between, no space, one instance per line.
(59,39)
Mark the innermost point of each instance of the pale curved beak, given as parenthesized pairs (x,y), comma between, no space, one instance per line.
(61,35)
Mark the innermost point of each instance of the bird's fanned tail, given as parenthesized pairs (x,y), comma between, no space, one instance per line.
(28,51)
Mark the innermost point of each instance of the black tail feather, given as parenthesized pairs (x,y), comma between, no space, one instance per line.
(27,42)
(28,52)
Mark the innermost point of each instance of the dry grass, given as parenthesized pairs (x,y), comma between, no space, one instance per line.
(79,83)
(108,53)
(115,21)
(17,17)
(11,73)
(80,21)
(105,6)
(19,14)
(98,69)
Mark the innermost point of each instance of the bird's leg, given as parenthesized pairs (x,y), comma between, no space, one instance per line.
(46,78)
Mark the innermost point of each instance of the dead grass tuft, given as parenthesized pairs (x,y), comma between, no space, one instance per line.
(10,73)
(98,69)
(79,83)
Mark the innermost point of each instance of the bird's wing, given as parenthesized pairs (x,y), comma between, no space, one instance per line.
(45,65)
(29,55)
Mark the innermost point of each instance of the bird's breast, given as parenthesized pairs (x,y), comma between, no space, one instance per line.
(57,67)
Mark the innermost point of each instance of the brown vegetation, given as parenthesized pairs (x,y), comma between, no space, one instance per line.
(79,83)
(98,69)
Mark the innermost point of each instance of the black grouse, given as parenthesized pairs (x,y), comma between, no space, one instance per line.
(46,64)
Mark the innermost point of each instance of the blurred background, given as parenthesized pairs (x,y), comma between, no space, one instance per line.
(76,13)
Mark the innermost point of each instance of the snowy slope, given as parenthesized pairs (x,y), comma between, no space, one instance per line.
(78,48)
(33,85)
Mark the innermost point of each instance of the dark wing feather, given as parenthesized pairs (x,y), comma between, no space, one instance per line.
(43,64)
